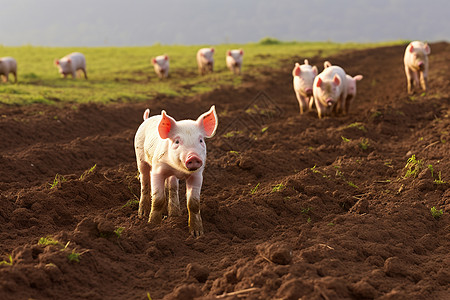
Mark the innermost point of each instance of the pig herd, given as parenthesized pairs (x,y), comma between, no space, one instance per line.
(333,91)
(168,150)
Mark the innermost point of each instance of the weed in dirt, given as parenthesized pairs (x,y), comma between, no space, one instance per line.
(279,187)
(306,210)
(7,263)
(364,144)
(314,170)
(358,125)
(87,172)
(264,129)
(413,167)
(133,203)
(352,184)
(119,231)
(439,179)
(46,241)
(331,224)
(253,190)
(148,296)
(232,134)
(74,256)
(234,152)
(345,139)
(376,114)
(57,181)
(430,167)
(436,213)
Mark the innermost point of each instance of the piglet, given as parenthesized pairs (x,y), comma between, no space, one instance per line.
(161,65)
(416,65)
(8,65)
(70,64)
(167,151)
(205,60)
(234,60)
(351,90)
(303,78)
(330,91)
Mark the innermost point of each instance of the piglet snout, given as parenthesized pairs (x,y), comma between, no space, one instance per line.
(329,102)
(308,92)
(421,65)
(193,162)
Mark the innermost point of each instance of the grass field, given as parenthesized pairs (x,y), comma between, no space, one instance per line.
(126,74)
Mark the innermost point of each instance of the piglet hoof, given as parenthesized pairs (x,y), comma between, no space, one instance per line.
(196,226)
(155,218)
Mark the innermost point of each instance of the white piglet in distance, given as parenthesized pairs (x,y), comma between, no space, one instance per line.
(167,151)
(303,78)
(330,91)
(351,90)
(70,64)
(8,65)
(234,60)
(161,65)
(416,65)
(205,60)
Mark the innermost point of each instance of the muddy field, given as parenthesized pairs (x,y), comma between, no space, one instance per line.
(293,206)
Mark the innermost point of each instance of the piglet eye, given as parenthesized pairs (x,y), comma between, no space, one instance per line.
(201,140)
(177,142)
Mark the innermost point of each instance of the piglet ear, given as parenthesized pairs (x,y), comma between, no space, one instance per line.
(153,60)
(166,124)
(336,80)
(208,122)
(146,114)
(319,82)
(228,53)
(241,52)
(69,60)
(306,62)
(202,54)
(56,62)
(411,48)
(358,77)
(315,71)
(166,57)
(212,50)
(296,71)
(427,49)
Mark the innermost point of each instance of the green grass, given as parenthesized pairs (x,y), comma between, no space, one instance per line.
(436,213)
(413,167)
(7,263)
(126,74)
(46,241)
(279,187)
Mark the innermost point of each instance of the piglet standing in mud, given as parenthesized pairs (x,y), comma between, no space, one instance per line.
(330,91)
(416,65)
(234,60)
(161,65)
(70,64)
(205,60)
(303,78)
(167,151)
(8,65)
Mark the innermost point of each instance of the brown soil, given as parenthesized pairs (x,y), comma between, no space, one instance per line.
(331,215)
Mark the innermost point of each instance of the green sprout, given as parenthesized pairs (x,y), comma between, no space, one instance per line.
(57,181)
(87,172)
(345,139)
(364,144)
(264,129)
(278,187)
(119,231)
(253,191)
(436,213)
(45,241)
(413,167)
(8,263)
(439,180)
(74,256)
